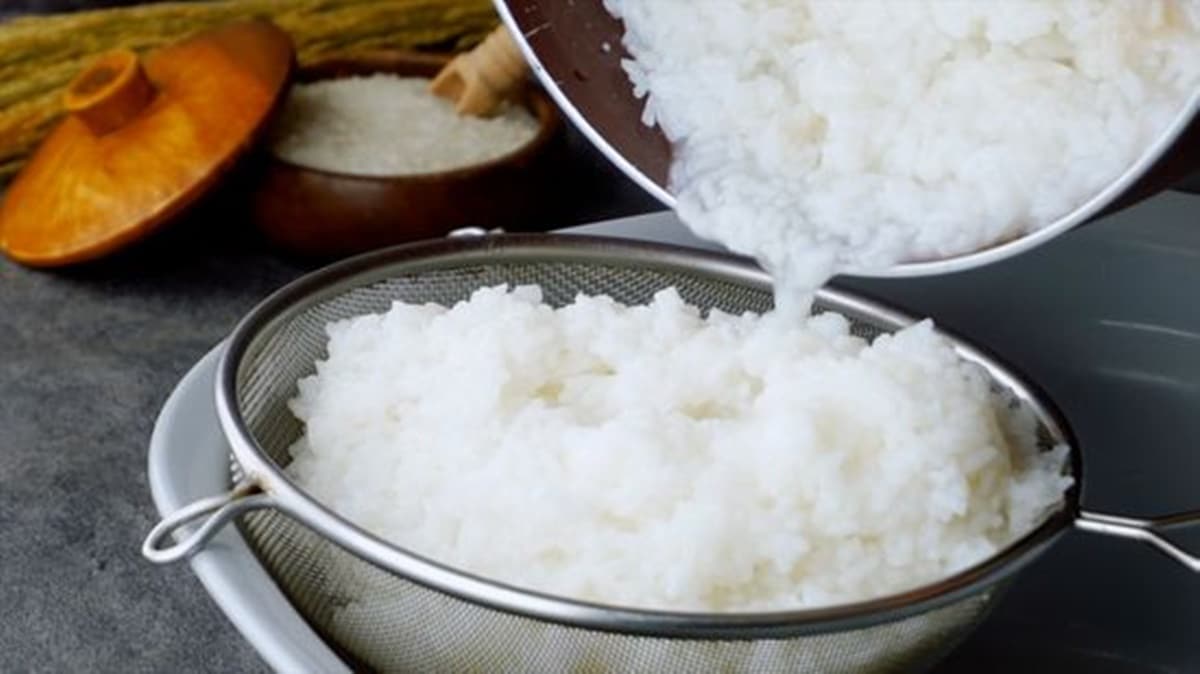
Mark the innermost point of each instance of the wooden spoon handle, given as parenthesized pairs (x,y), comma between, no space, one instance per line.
(481,80)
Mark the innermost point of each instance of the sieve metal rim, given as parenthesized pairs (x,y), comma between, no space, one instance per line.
(293,501)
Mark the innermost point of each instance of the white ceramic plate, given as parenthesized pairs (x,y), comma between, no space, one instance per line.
(190,460)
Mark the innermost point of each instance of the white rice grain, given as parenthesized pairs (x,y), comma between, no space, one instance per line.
(646,456)
(384,125)
(824,136)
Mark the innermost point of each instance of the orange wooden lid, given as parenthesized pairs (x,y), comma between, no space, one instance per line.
(142,140)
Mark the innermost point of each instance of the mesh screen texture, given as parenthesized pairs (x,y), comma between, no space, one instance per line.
(385,622)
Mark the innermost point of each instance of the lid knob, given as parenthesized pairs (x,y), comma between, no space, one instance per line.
(109,92)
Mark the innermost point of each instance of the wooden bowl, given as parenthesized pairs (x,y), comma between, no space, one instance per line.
(325,214)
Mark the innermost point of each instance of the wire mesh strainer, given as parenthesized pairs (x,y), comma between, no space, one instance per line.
(390,610)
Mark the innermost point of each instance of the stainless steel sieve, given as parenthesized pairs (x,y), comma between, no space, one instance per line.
(387,609)
(575,50)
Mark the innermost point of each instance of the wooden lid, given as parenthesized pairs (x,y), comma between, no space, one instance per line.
(142,140)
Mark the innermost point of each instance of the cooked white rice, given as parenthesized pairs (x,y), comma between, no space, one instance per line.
(825,135)
(385,125)
(646,456)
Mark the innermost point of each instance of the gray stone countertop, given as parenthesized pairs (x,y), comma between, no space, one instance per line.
(86,360)
(87,357)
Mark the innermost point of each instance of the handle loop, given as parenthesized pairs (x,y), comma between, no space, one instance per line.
(1149,531)
(161,549)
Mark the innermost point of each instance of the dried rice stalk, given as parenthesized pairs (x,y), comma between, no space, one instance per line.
(39,55)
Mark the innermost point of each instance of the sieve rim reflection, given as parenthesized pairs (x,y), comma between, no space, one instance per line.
(258,325)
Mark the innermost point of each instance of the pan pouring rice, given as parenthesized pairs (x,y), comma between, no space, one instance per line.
(648,456)
(823,135)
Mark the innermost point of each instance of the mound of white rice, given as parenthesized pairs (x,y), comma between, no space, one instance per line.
(646,456)
(386,125)
(825,135)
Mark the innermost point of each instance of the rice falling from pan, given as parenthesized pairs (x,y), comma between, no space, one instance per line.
(384,125)
(648,456)
(652,457)
(823,136)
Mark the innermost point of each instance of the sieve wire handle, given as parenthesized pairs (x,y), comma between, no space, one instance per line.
(1149,531)
(162,547)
